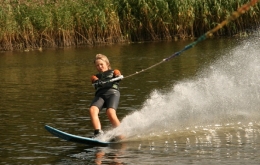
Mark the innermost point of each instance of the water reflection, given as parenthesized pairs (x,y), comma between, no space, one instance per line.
(212,144)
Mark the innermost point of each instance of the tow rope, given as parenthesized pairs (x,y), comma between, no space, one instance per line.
(209,33)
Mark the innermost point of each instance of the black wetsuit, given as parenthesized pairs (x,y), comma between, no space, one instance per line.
(107,95)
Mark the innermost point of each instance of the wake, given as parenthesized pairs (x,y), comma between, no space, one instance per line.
(225,92)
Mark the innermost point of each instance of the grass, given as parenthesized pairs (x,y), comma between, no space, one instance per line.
(31,24)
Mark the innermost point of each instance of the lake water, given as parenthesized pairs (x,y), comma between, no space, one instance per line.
(201,107)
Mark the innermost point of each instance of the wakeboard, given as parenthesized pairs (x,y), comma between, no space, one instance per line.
(77,139)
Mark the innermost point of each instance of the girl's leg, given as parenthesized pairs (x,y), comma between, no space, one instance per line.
(111,113)
(94,117)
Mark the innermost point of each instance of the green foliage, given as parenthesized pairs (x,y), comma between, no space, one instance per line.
(32,24)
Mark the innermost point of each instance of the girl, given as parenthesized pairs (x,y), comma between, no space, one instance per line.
(107,94)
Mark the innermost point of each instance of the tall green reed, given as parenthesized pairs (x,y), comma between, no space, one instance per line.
(28,24)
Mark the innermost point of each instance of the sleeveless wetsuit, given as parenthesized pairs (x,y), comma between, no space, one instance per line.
(107,95)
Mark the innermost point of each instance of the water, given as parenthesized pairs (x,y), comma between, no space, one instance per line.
(199,108)
(226,92)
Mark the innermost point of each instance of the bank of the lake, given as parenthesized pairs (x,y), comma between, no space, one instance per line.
(29,25)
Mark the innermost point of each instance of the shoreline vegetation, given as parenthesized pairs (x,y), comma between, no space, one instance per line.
(37,24)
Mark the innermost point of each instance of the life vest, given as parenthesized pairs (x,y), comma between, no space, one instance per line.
(105,76)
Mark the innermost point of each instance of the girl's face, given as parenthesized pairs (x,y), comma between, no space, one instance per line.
(101,65)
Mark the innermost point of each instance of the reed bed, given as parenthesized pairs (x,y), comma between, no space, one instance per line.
(31,24)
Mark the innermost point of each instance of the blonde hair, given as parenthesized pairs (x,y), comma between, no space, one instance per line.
(103,58)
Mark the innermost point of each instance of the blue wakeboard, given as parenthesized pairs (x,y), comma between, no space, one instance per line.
(75,138)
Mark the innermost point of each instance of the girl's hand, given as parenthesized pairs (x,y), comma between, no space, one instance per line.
(93,79)
(117,73)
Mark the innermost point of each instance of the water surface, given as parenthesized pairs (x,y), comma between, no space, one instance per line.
(199,108)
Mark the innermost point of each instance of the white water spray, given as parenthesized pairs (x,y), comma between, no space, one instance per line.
(226,92)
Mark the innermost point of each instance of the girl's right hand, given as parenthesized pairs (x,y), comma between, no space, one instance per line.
(93,79)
